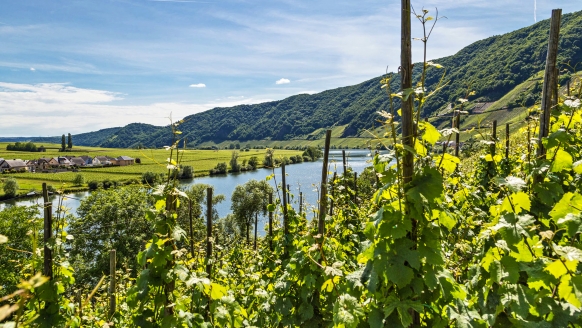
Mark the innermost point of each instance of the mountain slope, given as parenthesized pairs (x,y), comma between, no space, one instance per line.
(491,67)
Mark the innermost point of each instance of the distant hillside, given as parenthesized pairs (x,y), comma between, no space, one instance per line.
(492,67)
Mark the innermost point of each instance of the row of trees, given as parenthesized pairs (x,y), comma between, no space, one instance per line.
(25,146)
(68,144)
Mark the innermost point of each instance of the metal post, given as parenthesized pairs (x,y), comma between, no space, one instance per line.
(112,283)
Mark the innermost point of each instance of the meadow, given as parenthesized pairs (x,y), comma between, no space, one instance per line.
(152,160)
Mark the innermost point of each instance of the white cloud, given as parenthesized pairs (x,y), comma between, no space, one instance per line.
(32,69)
(51,109)
(283,81)
(199,85)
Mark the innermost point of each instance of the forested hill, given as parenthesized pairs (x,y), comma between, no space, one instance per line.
(492,67)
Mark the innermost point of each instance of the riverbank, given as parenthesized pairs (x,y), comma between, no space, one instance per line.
(152,160)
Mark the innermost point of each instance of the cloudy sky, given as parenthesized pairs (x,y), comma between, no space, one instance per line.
(78,66)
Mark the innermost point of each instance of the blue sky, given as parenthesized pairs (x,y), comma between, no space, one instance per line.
(79,66)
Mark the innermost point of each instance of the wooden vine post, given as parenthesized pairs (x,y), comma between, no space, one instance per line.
(270,223)
(48,233)
(550,79)
(208,230)
(285,219)
(112,283)
(300,203)
(507,140)
(406,83)
(344,162)
(458,134)
(171,207)
(288,195)
(323,193)
(191,227)
(356,188)
(408,127)
(332,185)
(256,224)
(493,138)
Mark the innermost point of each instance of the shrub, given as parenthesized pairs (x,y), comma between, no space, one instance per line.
(108,183)
(11,187)
(94,185)
(253,162)
(79,180)
(149,177)
(220,168)
(138,160)
(187,172)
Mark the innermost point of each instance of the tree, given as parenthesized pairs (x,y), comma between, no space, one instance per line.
(63,143)
(187,172)
(253,162)
(110,219)
(234,165)
(269,160)
(11,187)
(70,141)
(149,178)
(79,180)
(248,200)
(313,153)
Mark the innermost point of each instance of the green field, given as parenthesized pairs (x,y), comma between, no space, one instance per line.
(153,160)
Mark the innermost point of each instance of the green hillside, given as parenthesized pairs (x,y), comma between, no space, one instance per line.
(492,67)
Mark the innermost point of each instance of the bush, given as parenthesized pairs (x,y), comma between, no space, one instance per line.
(94,185)
(187,172)
(138,160)
(150,178)
(220,168)
(313,153)
(11,187)
(108,183)
(253,162)
(234,165)
(79,180)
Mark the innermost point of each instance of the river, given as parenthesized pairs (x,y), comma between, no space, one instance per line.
(304,177)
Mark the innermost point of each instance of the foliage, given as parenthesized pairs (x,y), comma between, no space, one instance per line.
(69,141)
(247,202)
(234,164)
(18,146)
(21,225)
(187,172)
(220,168)
(313,153)
(150,178)
(79,180)
(10,187)
(109,219)
(63,142)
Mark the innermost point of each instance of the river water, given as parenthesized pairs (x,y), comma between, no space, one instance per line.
(304,177)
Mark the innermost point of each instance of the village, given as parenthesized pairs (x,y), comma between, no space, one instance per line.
(56,164)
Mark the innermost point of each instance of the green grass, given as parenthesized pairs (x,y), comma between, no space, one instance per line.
(151,160)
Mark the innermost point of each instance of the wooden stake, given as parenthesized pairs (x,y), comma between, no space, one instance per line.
(288,195)
(332,185)
(191,227)
(256,224)
(356,188)
(48,233)
(493,138)
(458,134)
(406,84)
(208,230)
(300,203)
(344,162)
(285,222)
(507,140)
(112,283)
(270,223)
(550,79)
(323,193)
